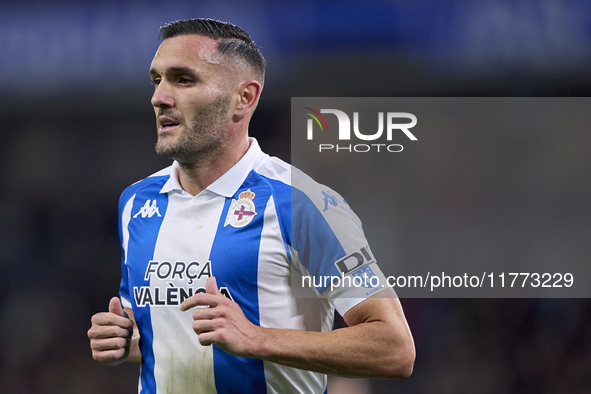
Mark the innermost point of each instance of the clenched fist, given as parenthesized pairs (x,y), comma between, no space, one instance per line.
(110,334)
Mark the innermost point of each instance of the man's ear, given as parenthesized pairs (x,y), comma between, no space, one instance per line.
(249,93)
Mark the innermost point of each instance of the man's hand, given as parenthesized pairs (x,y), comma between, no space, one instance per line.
(223,323)
(110,334)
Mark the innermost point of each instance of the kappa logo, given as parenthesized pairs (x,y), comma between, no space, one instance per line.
(330,199)
(241,211)
(148,210)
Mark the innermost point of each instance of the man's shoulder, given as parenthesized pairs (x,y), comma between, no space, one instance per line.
(297,183)
(274,169)
(278,170)
(156,180)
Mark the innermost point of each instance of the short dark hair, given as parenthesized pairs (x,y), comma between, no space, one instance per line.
(231,40)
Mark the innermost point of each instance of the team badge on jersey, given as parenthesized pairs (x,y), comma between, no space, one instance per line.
(241,211)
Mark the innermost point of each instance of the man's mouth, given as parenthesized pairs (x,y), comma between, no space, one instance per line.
(166,124)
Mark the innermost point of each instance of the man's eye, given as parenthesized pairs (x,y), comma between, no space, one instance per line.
(155,81)
(184,81)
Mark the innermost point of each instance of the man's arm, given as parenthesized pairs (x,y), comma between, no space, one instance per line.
(114,336)
(377,343)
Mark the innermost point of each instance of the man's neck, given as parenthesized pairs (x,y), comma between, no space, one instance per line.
(197,176)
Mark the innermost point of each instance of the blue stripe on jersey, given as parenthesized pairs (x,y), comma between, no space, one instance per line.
(313,238)
(310,234)
(235,259)
(125,289)
(143,233)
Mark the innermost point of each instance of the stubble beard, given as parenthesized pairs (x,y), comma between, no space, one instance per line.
(202,140)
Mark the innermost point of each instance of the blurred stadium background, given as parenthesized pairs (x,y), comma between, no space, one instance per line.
(77,128)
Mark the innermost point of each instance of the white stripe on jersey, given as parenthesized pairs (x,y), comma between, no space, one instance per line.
(125,218)
(177,353)
(284,310)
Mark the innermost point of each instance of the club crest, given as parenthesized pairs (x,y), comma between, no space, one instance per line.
(241,211)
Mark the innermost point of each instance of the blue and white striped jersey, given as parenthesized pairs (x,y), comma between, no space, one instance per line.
(259,234)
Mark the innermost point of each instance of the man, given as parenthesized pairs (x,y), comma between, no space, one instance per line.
(212,244)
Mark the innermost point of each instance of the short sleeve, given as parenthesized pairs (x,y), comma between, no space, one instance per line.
(331,250)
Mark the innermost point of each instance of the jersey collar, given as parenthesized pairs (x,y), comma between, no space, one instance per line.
(227,184)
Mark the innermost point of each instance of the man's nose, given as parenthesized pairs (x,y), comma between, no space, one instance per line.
(162,97)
